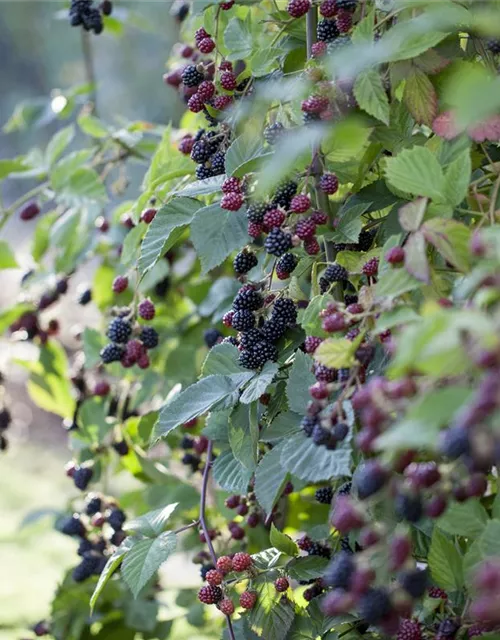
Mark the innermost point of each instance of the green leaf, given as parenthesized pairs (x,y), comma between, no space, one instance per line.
(310,319)
(41,237)
(489,542)
(272,616)
(217,426)
(151,524)
(417,171)
(420,97)
(282,426)
(307,568)
(411,215)
(270,479)
(238,40)
(451,238)
(464,519)
(93,342)
(457,176)
(244,435)
(222,359)
(58,144)
(416,262)
(230,474)
(371,96)
(299,381)
(145,558)
(301,457)
(409,39)
(92,126)
(336,353)
(445,562)
(351,223)
(394,282)
(259,383)
(8,316)
(402,315)
(200,187)
(83,186)
(196,400)
(7,258)
(244,155)
(112,565)
(282,542)
(11,166)
(166,228)
(216,233)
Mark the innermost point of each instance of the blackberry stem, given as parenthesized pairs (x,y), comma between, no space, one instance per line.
(88,63)
(203,521)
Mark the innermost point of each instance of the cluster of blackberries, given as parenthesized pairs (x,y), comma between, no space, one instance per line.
(246,506)
(364,243)
(127,349)
(83,13)
(5,420)
(208,150)
(214,591)
(99,528)
(194,448)
(332,274)
(80,474)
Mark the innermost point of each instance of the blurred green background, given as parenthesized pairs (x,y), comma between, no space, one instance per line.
(42,55)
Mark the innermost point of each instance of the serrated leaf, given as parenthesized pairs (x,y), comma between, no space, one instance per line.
(92,126)
(145,558)
(166,228)
(457,176)
(272,616)
(270,479)
(82,186)
(464,519)
(93,342)
(222,359)
(420,97)
(259,383)
(411,215)
(217,426)
(196,400)
(282,426)
(299,380)
(58,144)
(112,565)
(307,568)
(230,474)
(200,187)
(244,435)
(216,233)
(489,542)
(244,155)
(282,542)
(394,282)
(7,257)
(417,171)
(351,223)
(451,238)
(371,96)
(238,40)
(41,237)
(301,457)
(153,523)
(445,563)
(416,262)
(336,353)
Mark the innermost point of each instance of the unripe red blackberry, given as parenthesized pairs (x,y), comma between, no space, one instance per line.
(298,8)
(120,283)
(29,211)
(305,228)
(148,215)
(225,6)
(312,343)
(281,585)
(173,78)
(370,268)
(227,319)
(254,229)
(409,630)
(232,201)
(200,34)
(242,561)
(214,577)
(232,502)
(334,322)
(231,185)
(222,102)
(207,45)
(237,532)
(228,80)
(328,8)
(318,49)
(102,388)
(210,594)
(399,551)
(146,309)
(311,246)
(314,104)
(226,605)
(329,183)
(274,218)
(224,564)
(300,203)
(196,103)
(319,217)
(248,599)
(344,21)
(396,255)
(253,520)
(185,146)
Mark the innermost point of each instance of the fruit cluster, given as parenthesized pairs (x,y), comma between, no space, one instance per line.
(84,13)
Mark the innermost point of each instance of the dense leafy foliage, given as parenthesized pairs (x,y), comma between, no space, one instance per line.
(299,357)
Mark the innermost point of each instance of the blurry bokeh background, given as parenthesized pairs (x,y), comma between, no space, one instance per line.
(42,56)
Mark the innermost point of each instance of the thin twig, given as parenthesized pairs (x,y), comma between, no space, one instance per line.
(195,523)
(88,63)
(203,521)
(493,199)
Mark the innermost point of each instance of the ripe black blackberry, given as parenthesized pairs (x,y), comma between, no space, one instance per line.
(186,443)
(119,330)
(244,261)
(273,329)
(308,423)
(201,151)
(243,320)
(191,77)
(493,45)
(337,44)
(335,273)
(374,605)
(318,549)
(455,442)
(93,505)
(84,297)
(73,526)
(256,356)
(308,118)
(5,419)
(86,568)
(273,133)
(217,162)
(205,569)
(409,507)
(111,353)
(250,338)
(320,435)
(121,447)
(81,477)
(284,309)
(339,572)
(84,547)
(248,299)
(447,629)
(324,495)
(414,582)
(347,5)
(210,594)
(116,519)
(287,263)
(256,212)
(369,479)
(345,545)
(211,337)
(284,193)
(327,30)
(345,489)
(149,337)
(365,239)
(92,21)
(203,172)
